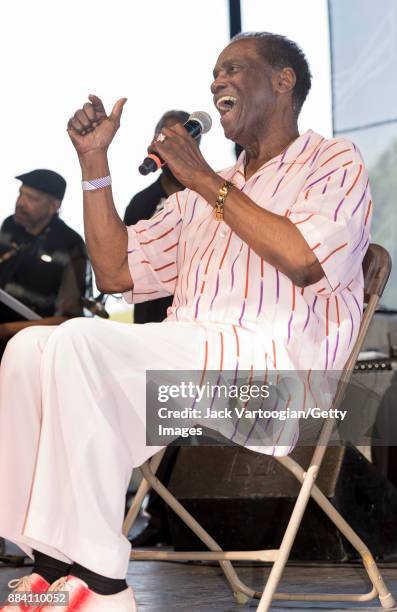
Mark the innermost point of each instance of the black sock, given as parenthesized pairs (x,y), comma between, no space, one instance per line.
(51,569)
(97,583)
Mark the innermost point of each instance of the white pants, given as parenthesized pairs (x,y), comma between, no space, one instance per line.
(72,427)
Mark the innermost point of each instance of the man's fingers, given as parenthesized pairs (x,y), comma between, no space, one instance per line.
(76,125)
(97,104)
(83,118)
(117,109)
(90,111)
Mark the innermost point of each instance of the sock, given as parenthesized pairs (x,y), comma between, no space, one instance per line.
(97,583)
(49,568)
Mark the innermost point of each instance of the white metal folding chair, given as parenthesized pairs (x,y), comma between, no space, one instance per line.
(376,268)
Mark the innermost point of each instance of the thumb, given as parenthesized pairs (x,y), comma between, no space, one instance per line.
(117,109)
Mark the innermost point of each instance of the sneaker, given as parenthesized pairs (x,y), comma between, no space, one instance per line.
(34,583)
(82,599)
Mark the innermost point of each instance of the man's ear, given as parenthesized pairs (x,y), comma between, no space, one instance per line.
(285,80)
(55,205)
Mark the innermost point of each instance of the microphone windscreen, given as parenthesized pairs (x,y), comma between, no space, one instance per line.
(204,119)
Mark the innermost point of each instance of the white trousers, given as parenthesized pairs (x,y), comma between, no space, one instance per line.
(72,427)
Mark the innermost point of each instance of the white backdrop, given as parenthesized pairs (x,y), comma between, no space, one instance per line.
(158,54)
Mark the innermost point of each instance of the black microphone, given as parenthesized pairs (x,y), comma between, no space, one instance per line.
(198,123)
(95,306)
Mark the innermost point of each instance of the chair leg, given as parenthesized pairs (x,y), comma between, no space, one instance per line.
(241,591)
(140,495)
(288,540)
(373,572)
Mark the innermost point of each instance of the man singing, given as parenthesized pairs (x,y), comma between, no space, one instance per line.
(264,260)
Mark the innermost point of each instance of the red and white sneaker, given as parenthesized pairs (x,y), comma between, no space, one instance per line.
(23,588)
(82,599)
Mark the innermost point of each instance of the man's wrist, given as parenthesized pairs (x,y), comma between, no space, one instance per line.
(94,164)
(207,185)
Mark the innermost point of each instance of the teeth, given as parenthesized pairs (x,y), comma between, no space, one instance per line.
(222,102)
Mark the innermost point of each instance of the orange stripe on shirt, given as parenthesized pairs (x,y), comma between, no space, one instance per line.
(355,180)
(368,211)
(158,237)
(327,318)
(303,220)
(170,247)
(247,273)
(342,246)
(333,157)
(337,310)
(226,249)
(237,341)
(163,267)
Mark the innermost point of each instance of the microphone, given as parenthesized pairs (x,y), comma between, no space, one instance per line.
(95,306)
(198,123)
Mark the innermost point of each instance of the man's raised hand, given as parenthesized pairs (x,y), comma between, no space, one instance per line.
(91,129)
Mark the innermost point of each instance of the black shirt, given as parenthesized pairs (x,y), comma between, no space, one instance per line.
(49,272)
(143,206)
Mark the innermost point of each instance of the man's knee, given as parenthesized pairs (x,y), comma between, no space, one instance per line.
(27,343)
(71,334)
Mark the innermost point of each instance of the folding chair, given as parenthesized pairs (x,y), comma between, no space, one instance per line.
(376,268)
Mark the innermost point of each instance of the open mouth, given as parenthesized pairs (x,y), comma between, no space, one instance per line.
(225,104)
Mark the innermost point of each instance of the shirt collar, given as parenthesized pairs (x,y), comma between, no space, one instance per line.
(298,152)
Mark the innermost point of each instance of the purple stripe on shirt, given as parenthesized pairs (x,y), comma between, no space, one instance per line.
(308,316)
(289,326)
(314,304)
(193,211)
(336,347)
(278,185)
(343,178)
(197,306)
(232,268)
(159,221)
(338,207)
(260,299)
(216,291)
(321,178)
(242,314)
(277,286)
(359,242)
(361,200)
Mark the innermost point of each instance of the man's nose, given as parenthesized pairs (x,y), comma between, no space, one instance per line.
(218,84)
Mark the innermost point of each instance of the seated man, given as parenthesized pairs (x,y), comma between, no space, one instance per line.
(265,262)
(43,262)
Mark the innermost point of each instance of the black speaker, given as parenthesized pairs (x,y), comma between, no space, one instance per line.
(244,500)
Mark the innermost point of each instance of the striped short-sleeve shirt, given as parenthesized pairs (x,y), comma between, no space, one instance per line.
(219,281)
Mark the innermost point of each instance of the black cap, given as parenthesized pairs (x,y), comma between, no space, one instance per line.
(45,180)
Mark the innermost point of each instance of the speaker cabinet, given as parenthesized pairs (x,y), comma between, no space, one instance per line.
(244,500)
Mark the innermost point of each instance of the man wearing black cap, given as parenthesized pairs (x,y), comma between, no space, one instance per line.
(43,262)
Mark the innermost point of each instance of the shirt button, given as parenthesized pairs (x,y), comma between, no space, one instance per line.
(223,233)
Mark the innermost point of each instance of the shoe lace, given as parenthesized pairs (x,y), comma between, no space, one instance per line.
(59,585)
(20,583)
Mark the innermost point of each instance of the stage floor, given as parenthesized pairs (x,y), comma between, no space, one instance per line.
(180,587)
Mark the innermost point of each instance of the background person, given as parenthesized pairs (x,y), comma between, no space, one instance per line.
(43,262)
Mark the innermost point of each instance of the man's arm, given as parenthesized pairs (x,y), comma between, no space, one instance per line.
(91,132)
